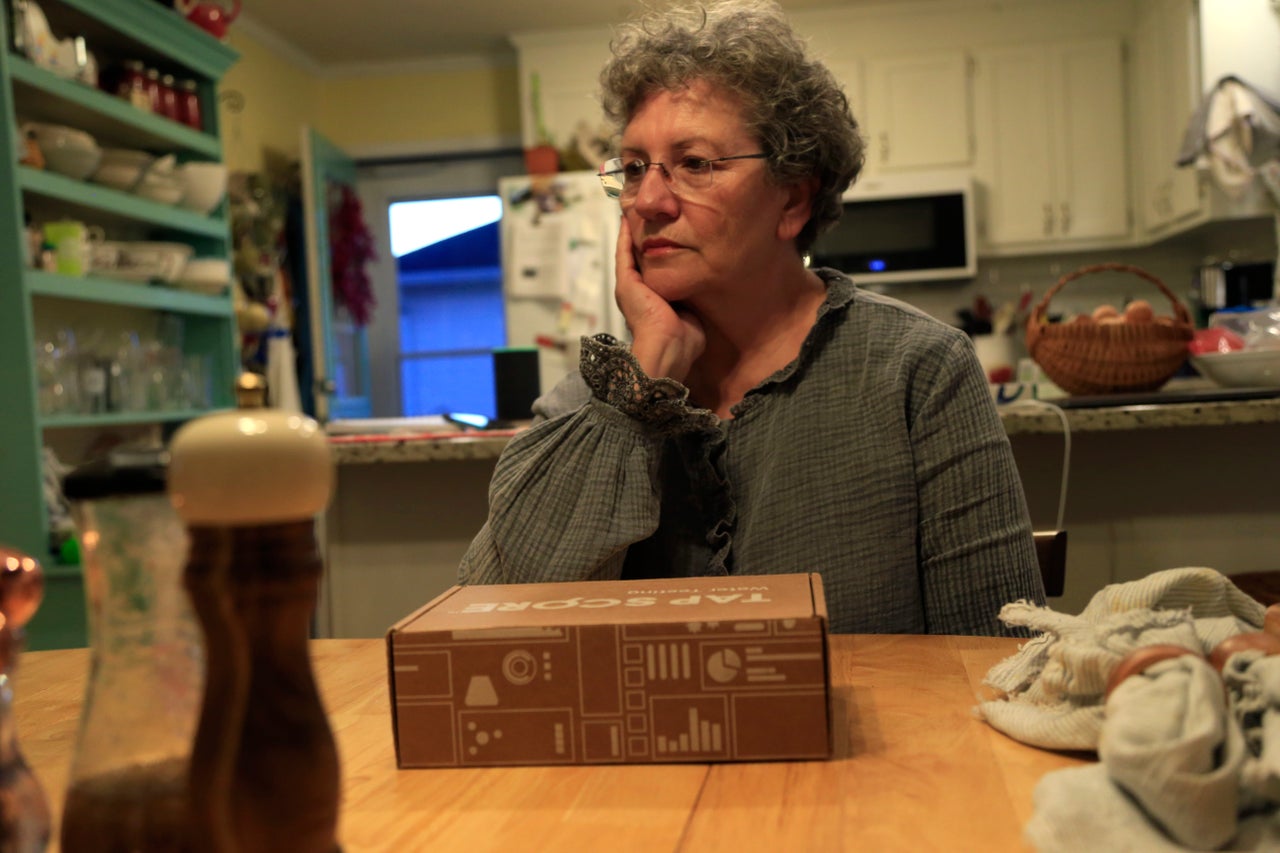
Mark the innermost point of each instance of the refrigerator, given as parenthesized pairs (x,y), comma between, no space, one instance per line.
(558,237)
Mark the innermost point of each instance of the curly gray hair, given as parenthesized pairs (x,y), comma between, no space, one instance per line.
(791,103)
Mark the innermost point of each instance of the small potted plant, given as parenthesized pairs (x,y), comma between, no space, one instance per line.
(542,158)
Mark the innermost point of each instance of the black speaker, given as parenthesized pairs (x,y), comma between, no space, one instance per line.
(516,382)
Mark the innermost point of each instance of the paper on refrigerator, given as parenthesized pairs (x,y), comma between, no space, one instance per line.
(539,257)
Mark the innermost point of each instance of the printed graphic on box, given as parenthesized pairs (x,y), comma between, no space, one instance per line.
(730,690)
(657,693)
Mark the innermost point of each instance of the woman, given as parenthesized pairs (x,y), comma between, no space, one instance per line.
(766,417)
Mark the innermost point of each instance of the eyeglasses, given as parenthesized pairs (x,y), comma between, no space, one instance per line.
(622,178)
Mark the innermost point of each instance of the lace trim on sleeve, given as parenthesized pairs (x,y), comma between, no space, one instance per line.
(615,377)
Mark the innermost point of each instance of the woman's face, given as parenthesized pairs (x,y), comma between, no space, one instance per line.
(691,243)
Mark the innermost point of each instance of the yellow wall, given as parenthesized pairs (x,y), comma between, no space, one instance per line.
(359,113)
(278,97)
(402,110)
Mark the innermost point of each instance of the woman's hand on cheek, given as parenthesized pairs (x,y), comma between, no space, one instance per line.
(666,339)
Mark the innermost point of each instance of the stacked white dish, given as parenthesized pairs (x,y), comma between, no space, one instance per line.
(1246,368)
(144,262)
(141,173)
(198,185)
(1241,348)
(122,168)
(160,185)
(205,275)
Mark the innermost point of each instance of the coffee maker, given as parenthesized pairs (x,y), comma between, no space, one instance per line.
(1227,284)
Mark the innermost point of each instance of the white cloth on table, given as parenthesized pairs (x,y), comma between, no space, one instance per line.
(1055,683)
(1181,768)
(1184,764)
(1170,742)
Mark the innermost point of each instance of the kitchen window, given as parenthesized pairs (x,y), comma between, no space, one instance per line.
(451,317)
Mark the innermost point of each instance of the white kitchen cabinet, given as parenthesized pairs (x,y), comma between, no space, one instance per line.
(918,112)
(1051,146)
(1165,93)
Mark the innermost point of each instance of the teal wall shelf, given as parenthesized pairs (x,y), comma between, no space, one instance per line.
(41,95)
(123,418)
(110,291)
(86,199)
(148,27)
(115,30)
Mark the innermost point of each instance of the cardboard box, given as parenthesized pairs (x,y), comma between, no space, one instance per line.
(676,669)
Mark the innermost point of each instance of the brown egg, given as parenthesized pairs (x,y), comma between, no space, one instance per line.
(1263,641)
(1139,311)
(1271,620)
(1103,311)
(1081,320)
(1141,659)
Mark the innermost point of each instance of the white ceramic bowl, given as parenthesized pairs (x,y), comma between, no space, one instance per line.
(207,275)
(121,168)
(66,150)
(1247,368)
(160,187)
(204,183)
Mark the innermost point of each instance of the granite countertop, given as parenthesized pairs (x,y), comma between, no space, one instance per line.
(1028,418)
(422,447)
(1019,418)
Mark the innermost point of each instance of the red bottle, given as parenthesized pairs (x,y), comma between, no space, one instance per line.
(169,97)
(154,99)
(189,105)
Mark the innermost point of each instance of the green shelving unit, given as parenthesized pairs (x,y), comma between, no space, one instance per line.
(114,30)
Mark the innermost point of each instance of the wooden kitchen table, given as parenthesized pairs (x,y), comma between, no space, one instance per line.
(914,770)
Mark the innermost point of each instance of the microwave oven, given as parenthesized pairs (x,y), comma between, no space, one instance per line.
(907,227)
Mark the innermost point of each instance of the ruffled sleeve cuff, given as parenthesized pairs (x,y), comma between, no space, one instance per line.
(615,378)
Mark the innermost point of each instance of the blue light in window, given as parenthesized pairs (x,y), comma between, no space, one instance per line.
(876,265)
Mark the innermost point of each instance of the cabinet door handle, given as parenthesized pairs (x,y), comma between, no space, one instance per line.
(1048,219)
(884,146)
(1066,218)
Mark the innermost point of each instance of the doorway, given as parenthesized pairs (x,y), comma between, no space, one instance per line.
(447,312)
(449,272)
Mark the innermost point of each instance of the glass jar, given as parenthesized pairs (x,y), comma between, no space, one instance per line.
(132,85)
(169,97)
(155,101)
(189,105)
(128,782)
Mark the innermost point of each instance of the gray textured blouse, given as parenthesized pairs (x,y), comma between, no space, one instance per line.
(875,458)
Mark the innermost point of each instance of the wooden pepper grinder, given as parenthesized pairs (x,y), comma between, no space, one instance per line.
(264,767)
(24,811)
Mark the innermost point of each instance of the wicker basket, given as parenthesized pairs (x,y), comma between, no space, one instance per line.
(1093,358)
